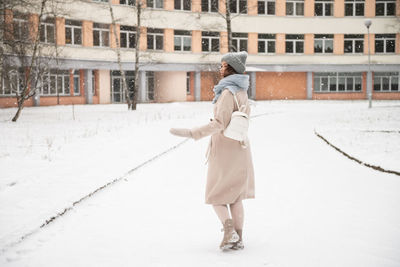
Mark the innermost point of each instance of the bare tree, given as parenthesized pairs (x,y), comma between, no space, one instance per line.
(118,50)
(24,59)
(137,56)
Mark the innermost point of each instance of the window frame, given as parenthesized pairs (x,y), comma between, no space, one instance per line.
(266,39)
(353,38)
(324,4)
(56,74)
(103,30)
(238,37)
(17,74)
(354,77)
(353,4)
(237,5)
(210,5)
(265,4)
(154,4)
(155,32)
(180,34)
(73,29)
(76,76)
(385,9)
(210,36)
(294,41)
(127,30)
(389,76)
(128,2)
(385,38)
(23,28)
(44,25)
(150,91)
(324,38)
(182,5)
(295,8)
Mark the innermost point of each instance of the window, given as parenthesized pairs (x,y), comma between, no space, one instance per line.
(150,85)
(47,31)
(117,91)
(238,6)
(353,43)
(323,8)
(294,43)
(209,5)
(55,82)
(127,2)
(128,36)
(101,34)
(188,83)
(182,40)
(385,8)
(73,32)
(13,83)
(295,8)
(338,82)
(239,42)
(183,4)
(323,43)
(102,1)
(385,43)
(155,3)
(266,43)
(266,7)
(386,81)
(210,41)
(354,8)
(155,39)
(93,82)
(77,87)
(20,27)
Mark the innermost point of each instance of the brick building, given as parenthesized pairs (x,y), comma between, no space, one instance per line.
(298,49)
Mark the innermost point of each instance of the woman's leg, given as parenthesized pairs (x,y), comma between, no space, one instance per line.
(222,212)
(237,215)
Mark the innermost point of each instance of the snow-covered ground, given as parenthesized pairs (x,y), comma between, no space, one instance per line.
(313,206)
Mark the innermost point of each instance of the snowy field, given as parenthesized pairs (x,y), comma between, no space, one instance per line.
(313,206)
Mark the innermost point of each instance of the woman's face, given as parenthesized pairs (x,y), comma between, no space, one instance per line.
(223,69)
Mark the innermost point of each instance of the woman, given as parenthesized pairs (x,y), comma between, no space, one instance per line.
(230,177)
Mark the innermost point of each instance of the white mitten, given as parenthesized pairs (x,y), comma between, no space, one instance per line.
(180,132)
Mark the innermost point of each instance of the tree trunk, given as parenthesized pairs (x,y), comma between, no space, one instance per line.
(124,84)
(137,58)
(228,25)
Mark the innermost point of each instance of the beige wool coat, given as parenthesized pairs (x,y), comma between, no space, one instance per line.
(230,176)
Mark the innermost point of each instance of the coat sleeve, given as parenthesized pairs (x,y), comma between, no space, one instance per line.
(221,119)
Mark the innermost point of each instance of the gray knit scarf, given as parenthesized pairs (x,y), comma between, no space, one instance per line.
(234,83)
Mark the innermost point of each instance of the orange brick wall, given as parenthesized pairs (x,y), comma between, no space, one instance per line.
(372,43)
(169,40)
(398,43)
(252,7)
(208,81)
(196,5)
(280,7)
(224,42)
(338,44)
(7,102)
(190,97)
(196,41)
(369,8)
(143,39)
(309,44)
(273,85)
(87,33)
(280,43)
(338,9)
(253,43)
(168,5)
(309,8)
(33,21)
(60,25)
(113,43)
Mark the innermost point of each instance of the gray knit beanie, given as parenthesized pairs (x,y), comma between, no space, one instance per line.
(236,60)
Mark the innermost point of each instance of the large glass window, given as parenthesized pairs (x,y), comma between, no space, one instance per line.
(238,6)
(183,5)
(155,3)
(266,7)
(239,42)
(117,91)
(337,82)
(295,8)
(73,32)
(209,5)
(266,43)
(323,43)
(55,82)
(128,36)
(210,41)
(353,43)
(155,39)
(386,81)
(150,85)
(20,27)
(77,79)
(385,8)
(354,7)
(182,40)
(188,83)
(47,33)
(12,82)
(385,43)
(294,43)
(323,8)
(101,34)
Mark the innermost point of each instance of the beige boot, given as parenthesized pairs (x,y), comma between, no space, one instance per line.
(239,244)
(230,235)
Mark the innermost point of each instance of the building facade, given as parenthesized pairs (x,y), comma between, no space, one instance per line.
(298,49)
